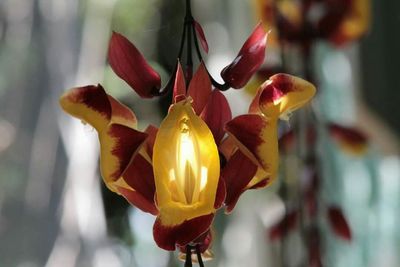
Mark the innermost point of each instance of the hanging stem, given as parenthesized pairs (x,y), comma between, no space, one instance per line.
(182,42)
(189,21)
(191,32)
(188,261)
(189,59)
(188,33)
(199,259)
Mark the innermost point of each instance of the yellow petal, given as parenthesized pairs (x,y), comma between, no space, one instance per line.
(186,166)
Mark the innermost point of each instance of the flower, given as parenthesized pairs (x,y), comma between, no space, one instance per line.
(199,159)
(339,22)
(172,172)
(186,169)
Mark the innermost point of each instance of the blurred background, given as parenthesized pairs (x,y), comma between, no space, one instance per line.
(54,208)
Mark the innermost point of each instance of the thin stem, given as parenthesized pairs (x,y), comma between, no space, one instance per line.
(196,45)
(188,261)
(182,42)
(199,259)
(189,23)
(189,28)
(189,59)
(221,87)
(188,8)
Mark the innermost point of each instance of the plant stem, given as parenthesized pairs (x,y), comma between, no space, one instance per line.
(188,261)
(199,259)
(189,28)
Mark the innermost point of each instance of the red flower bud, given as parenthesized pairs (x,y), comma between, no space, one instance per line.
(350,139)
(248,61)
(130,65)
(339,223)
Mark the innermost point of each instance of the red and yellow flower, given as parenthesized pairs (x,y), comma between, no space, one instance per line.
(339,21)
(185,170)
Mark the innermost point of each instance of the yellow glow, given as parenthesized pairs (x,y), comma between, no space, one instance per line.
(190,177)
(204,174)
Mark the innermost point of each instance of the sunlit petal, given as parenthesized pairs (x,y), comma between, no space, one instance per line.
(283,94)
(186,169)
(249,59)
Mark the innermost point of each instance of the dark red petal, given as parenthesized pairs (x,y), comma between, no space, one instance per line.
(200,89)
(201,36)
(121,114)
(248,61)
(246,129)
(347,134)
(179,84)
(216,113)
(139,175)
(152,132)
(130,65)
(339,223)
(237,174)
(138,200)
(128,141)
(221,194)
(286,225)
(180,235)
